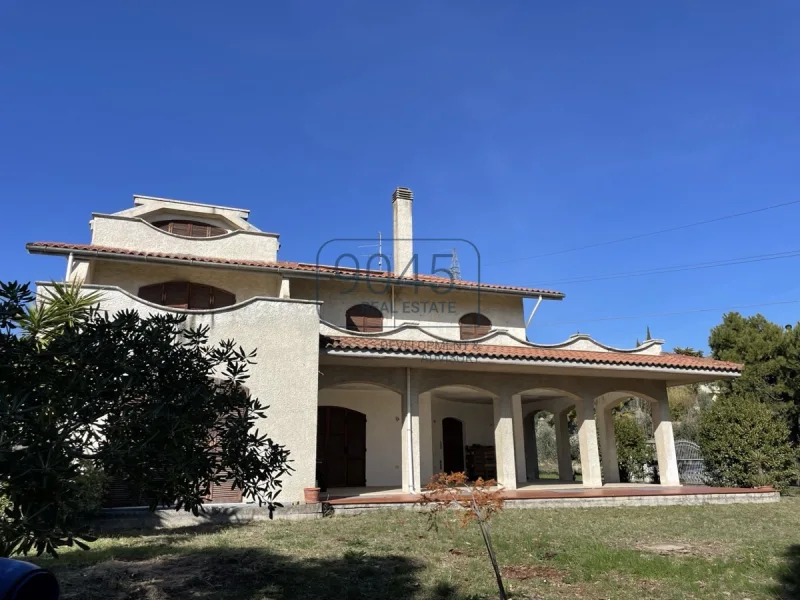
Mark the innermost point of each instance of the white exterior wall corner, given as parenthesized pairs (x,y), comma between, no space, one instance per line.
(136,234)
(285,334)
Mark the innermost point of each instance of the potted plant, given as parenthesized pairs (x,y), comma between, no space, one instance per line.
(311,495)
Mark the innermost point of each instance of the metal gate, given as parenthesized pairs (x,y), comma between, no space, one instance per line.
(691,467)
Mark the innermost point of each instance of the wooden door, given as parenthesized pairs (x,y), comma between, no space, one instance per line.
(341,447)
(452,445)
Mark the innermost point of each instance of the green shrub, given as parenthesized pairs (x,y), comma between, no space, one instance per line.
(91,484)
(744,444)
(634,454)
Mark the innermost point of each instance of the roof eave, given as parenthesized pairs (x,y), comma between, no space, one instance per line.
(284,271)
(550,363)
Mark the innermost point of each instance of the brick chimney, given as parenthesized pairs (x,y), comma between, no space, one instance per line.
(402,231)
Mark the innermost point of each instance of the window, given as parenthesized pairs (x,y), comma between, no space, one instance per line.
(190,228)
(365,318)
(474,325)
(182,294)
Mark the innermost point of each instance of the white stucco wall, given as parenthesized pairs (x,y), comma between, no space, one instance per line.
(384,430)
(132,276)
(478,420)
(437,313)
(285,334)
(136,234)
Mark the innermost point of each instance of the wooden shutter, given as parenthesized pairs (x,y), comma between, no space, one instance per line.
(222,298)
(181,228)
(224,493)
(119,493)
(176,294)
(200,296)
(190,228)
(152,293)
(365,318)
(474,325)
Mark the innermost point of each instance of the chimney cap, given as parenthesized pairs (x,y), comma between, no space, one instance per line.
(402,193)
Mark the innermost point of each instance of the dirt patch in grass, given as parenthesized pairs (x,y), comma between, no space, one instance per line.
(673,548)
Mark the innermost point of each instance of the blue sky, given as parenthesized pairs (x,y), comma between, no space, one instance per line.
(523,127)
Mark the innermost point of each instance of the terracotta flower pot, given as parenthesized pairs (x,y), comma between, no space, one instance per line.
(311,495)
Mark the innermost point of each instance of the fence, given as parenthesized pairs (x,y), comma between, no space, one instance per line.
(691,467)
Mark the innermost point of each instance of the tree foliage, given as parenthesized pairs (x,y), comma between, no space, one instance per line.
(634,454)
(771,357)
(142,399)
(744,445)
(688,351)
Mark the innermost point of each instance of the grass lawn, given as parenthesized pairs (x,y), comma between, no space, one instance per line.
(735,551)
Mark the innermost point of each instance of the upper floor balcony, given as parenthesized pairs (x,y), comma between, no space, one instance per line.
(175,235)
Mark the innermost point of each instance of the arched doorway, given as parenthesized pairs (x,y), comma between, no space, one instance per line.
(452,445)
(341,447)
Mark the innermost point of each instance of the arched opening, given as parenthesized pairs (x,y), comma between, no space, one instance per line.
(474,325)
(359,436)
(452,445)
(550,436)
(463,431)
(189,228)
(626,423)
(341,447)
(364,318)
(185,294)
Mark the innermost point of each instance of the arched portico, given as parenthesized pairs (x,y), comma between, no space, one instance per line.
(497,413)
(662,433)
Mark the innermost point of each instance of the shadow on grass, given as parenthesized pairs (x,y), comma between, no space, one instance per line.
(163,571)
(789,574)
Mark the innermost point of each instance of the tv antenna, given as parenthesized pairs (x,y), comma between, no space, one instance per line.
(379,246)
(455,268)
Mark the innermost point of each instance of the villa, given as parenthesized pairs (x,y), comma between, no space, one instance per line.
(376,379)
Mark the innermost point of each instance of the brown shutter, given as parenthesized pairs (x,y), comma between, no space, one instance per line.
(180,228)
(119,493)
(474,325)
(199,296)
(189,228)
(152,293)
(365,318)
(224,493)
(222,298)
(176,294)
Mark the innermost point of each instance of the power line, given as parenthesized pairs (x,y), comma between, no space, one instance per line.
(648,234)
(666,314)
(678,268)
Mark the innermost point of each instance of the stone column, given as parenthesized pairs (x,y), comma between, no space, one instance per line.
(561,423)
(425,437)
(665,442)
(411,460)
(531,452)
(608,441)
(587,438)
(504,442)
(519,437)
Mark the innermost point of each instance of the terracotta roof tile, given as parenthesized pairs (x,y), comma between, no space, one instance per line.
(289,266)
(664,360)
